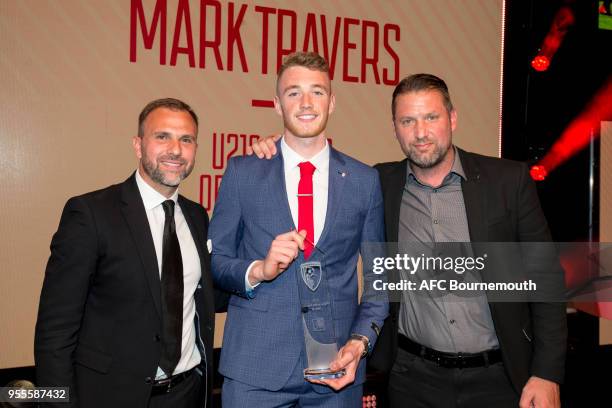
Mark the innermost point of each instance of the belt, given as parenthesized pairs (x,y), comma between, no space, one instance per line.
(450,360)
(165,385)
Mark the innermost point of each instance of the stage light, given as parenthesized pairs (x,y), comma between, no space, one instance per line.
(563,20)
(538,173)
(577,135)
(540,63)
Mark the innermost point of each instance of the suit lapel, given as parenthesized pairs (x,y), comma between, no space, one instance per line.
(196,232)
(474,197)
(199,235)
(335,187)
(392,184)
(278,191)
(393,188)
(136,218)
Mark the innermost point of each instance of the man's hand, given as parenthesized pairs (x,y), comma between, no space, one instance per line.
(265,147)
(348,358)
(283,250)
(540,393)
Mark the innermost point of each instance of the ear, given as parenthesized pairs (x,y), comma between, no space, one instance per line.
(394,128)
(137,145)
(277,106)
(453,119)
(332,103)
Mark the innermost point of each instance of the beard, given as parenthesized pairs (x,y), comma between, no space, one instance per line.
(166,178)
(429,159)
(298,130)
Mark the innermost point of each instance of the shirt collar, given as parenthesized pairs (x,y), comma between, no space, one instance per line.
(457,168)
(151,198)
(291,158)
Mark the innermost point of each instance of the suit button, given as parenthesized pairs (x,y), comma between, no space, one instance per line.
(148,380)
(305,309)
(157,338)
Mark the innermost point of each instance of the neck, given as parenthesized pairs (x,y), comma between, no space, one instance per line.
(307,147)
(434,176)
(162,189)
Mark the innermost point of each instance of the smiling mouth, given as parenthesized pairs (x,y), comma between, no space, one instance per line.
(172,164)
(307,117)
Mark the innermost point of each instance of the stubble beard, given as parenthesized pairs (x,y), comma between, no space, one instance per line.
(427,160)
(157,175)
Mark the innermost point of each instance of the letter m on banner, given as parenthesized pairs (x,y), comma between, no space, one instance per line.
(137,16)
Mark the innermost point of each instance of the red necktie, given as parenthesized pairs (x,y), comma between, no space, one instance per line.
(305,206)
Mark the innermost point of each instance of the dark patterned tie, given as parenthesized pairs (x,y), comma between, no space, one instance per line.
(172,294)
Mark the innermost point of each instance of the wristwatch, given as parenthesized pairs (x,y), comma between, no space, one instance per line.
(364,340)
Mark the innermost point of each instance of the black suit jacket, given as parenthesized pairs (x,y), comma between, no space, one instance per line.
(502,205)
(99,315)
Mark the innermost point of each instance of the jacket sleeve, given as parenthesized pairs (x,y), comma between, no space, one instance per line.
(548,318)
(70,269)
(374,306)
(225,233)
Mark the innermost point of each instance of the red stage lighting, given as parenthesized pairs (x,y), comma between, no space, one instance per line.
(538,173)
(540,63)
(563,20)
(578,133)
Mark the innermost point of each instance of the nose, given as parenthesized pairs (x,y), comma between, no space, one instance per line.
(421,129)
(306,101)
(174,147)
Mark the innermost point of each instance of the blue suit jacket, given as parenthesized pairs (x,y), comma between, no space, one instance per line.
(263,336)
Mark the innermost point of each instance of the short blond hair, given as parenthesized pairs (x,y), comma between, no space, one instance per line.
(310,60)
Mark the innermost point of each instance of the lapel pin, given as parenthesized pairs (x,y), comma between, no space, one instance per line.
(342,173)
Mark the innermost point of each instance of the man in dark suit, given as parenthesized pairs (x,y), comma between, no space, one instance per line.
(510,352)
(126,314)
(256,255)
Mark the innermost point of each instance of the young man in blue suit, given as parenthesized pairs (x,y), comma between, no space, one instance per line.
(477,353)
(335,203)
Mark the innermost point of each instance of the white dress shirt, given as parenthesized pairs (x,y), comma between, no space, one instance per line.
(320,182)
(152,200)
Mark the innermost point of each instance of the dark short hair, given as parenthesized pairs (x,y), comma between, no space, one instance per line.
(168,103)
(422,82)
(310,60)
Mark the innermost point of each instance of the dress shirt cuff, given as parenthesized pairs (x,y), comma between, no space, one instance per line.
(249,289)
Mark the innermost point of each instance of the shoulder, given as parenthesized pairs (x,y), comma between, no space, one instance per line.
(389,167)
(104,196)
(491,166)
(355,166)
(239,163)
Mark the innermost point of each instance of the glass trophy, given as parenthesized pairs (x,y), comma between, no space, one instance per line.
(318,322)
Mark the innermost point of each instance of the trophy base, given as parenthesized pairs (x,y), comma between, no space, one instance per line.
(322,374)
